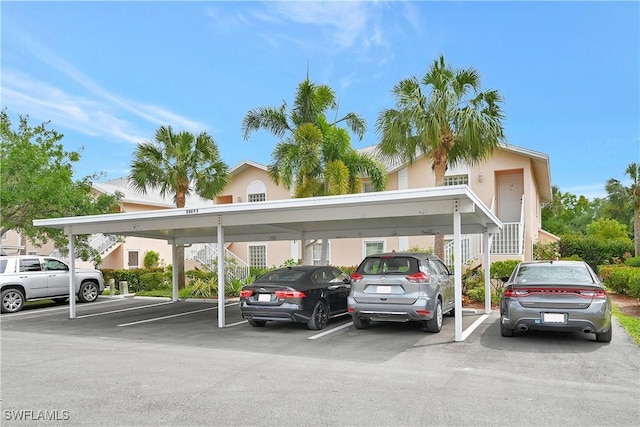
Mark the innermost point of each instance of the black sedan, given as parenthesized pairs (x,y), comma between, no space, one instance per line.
(555,296)
(303,293)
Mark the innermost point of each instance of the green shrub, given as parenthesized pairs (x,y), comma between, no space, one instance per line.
(477,294)
(543,251)
(153,281)
(621,279)
(151,259)
(593,251)
(633,261)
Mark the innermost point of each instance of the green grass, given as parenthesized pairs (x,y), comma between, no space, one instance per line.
(629,323)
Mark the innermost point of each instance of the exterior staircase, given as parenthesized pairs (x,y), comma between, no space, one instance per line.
(207,255)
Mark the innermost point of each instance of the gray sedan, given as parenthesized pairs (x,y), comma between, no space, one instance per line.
(555,296)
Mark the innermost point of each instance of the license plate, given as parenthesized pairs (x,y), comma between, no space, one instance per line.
(383,289)
(553,318)
(264,297)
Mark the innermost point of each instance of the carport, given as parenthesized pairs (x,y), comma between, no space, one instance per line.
(453,210)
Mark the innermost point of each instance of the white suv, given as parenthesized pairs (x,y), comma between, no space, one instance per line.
(28,277)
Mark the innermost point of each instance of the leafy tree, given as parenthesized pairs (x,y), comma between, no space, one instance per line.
(151,259)
(179,164)
(37,182)
(628,198)
(607,229)
(314,155)
(445,117)
(567,213)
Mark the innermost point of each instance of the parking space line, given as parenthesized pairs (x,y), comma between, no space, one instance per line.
(330,331)
(123,309)
(174,315)
(235,324)
(473,326)
(49,309)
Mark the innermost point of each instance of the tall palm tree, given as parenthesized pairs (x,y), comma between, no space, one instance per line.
(314,156)
(179,164)
(445,117)
(621,196)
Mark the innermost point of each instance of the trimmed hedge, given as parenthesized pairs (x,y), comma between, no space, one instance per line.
(595,252)
(622,279)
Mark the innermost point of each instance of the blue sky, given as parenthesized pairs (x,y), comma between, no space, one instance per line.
(108,74)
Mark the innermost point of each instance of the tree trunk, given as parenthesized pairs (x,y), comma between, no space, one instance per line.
(636,230)
(439,169)
(180,203)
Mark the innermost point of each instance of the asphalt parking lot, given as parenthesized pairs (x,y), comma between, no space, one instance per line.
(153,362)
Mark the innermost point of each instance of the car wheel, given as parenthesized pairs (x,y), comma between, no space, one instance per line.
(257,323)
(319,317)
(12,300)
(88,292)
(59,300)
(435,324)
(361,323)
(504,331)
(605,336)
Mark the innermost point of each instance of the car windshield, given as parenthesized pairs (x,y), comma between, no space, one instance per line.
(553,273)
(282,276)
(389,265)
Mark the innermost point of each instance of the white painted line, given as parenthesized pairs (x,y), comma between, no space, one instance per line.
(235,324)
(123,309)
(49,309)
(473,326)
(174,315)
(167,317)
(330,331)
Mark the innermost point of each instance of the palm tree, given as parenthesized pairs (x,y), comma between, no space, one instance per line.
(314,156)
(179,164)
(444,117)
(620,196)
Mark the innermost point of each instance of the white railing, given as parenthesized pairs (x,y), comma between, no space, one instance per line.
(510,241)
(103,242)
(207,255)
(471,245)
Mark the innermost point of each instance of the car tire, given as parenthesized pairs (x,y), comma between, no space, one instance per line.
(435,325)
(12,300)
(605,336)
(504,331)
(361,323)
(319,316)
(89,292)
(257,323)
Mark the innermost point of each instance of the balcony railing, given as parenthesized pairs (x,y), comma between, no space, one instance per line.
(207,255)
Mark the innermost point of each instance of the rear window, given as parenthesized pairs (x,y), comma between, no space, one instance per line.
(553,273)
(281,276)
(390,265)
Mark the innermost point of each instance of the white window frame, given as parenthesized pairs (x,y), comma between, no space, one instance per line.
(249,255)
(254,188)
(457,179)
(312,253)
(377,241)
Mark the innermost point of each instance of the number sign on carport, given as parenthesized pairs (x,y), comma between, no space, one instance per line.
(452,210)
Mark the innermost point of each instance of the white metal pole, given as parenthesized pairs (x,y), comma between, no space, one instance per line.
(457,269)
(221,309)
(174,271)
(72,276)
(486,237)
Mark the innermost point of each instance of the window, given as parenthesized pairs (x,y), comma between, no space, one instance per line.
(456,179)
(30,264)
(5,236)
(54,264)
(257,197)
(134,259)
(372,248)
(367,187)
(258,256)
(316,253)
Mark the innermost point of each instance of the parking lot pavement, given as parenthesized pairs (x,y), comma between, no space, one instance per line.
(142,362)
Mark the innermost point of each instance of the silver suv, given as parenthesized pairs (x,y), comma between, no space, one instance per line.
(27,277)
(401,287)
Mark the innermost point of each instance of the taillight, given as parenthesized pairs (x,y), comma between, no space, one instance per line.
(423,312)
(509,293)
(597,294)
(419,277)
(356,277)
(290,294)
(246,293)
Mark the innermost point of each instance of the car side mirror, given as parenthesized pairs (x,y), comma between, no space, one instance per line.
(505,279)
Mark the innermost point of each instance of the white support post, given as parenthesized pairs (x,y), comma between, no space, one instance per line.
(457,269)
(72,275)
(486,263)
(221,309)
(174,271)
(303,246)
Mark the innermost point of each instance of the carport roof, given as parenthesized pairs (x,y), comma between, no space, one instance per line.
(423,211)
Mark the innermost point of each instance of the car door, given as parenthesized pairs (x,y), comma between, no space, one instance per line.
(32,277)
(57,277)
(335,286)
(445,281)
